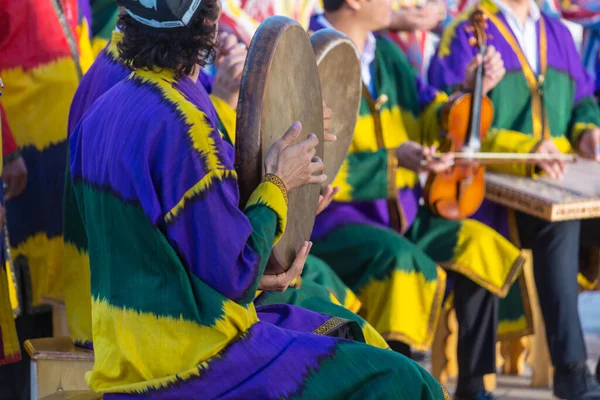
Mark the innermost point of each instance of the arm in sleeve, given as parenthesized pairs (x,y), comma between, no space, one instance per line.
(364,175)
(223,246)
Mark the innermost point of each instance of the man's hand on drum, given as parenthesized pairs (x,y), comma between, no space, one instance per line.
(326,198)
(554,168)
(280,282)
(229,76)
(589,144)
(295,164)
(327,115)
(493,67)
(411,155)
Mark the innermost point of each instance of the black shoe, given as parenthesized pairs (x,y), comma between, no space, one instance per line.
(479,396)
(574,382)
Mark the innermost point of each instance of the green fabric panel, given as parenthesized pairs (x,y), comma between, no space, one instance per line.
(224,132)
(317,271)
(360,253)
(512,103)
(395,76)
(127,245)
(559,91)
(359,371)
(367,175)
(436,236)
(511,307)
(265,226)
(104,18)
(73,226)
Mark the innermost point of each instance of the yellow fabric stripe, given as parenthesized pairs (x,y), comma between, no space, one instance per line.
(98,44)
(78,293)
(115,39)
(269,194)
(170,350)
(351,302)
(532,81)
(45,260)
(199,131)
(486,258)
(227,115)
(86,54)
(507,141)
(10,341)
(513,328)
(409,295)
(36,118)
(341,181)
(204,183)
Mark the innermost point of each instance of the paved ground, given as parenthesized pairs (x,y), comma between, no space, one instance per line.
(517,388)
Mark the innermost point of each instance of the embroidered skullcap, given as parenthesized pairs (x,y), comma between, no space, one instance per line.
(161,13)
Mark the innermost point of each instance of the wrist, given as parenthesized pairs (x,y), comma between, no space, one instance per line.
(8,158)
(276,180)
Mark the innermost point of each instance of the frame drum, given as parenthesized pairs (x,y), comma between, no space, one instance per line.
(280,85)
(341,83)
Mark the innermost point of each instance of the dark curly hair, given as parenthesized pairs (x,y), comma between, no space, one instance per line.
(179,49)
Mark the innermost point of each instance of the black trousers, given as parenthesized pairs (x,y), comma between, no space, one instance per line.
(555,247)
(477,315)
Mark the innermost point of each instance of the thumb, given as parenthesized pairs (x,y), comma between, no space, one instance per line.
(292,134)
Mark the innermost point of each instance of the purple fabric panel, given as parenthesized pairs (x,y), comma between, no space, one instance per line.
(291,317)
(409,201)
(206,81)
(340,214)
(247,368)
(104,73)
(85,11)
(211,234)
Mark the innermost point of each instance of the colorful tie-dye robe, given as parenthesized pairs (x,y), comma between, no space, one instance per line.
(320,289)
(395,276)
(175,264)
(40,65)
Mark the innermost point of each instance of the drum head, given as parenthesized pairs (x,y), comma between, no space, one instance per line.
(341,84)
(280,85)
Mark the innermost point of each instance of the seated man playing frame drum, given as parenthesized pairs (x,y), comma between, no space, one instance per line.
(375,236)
(319,289)
(544,104)
(174,263)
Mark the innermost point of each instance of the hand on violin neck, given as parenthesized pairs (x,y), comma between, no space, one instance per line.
(589,144)
(493,69)
(411,154)
(555,169)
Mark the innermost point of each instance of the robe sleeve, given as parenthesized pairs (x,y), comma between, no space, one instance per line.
(225,247)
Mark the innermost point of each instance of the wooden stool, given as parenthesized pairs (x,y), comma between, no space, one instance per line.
(59,317)
(57,365)
(74,395)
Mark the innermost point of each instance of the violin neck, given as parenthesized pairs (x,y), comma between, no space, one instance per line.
(474,135)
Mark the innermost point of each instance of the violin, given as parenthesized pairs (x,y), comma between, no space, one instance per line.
(458,192)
